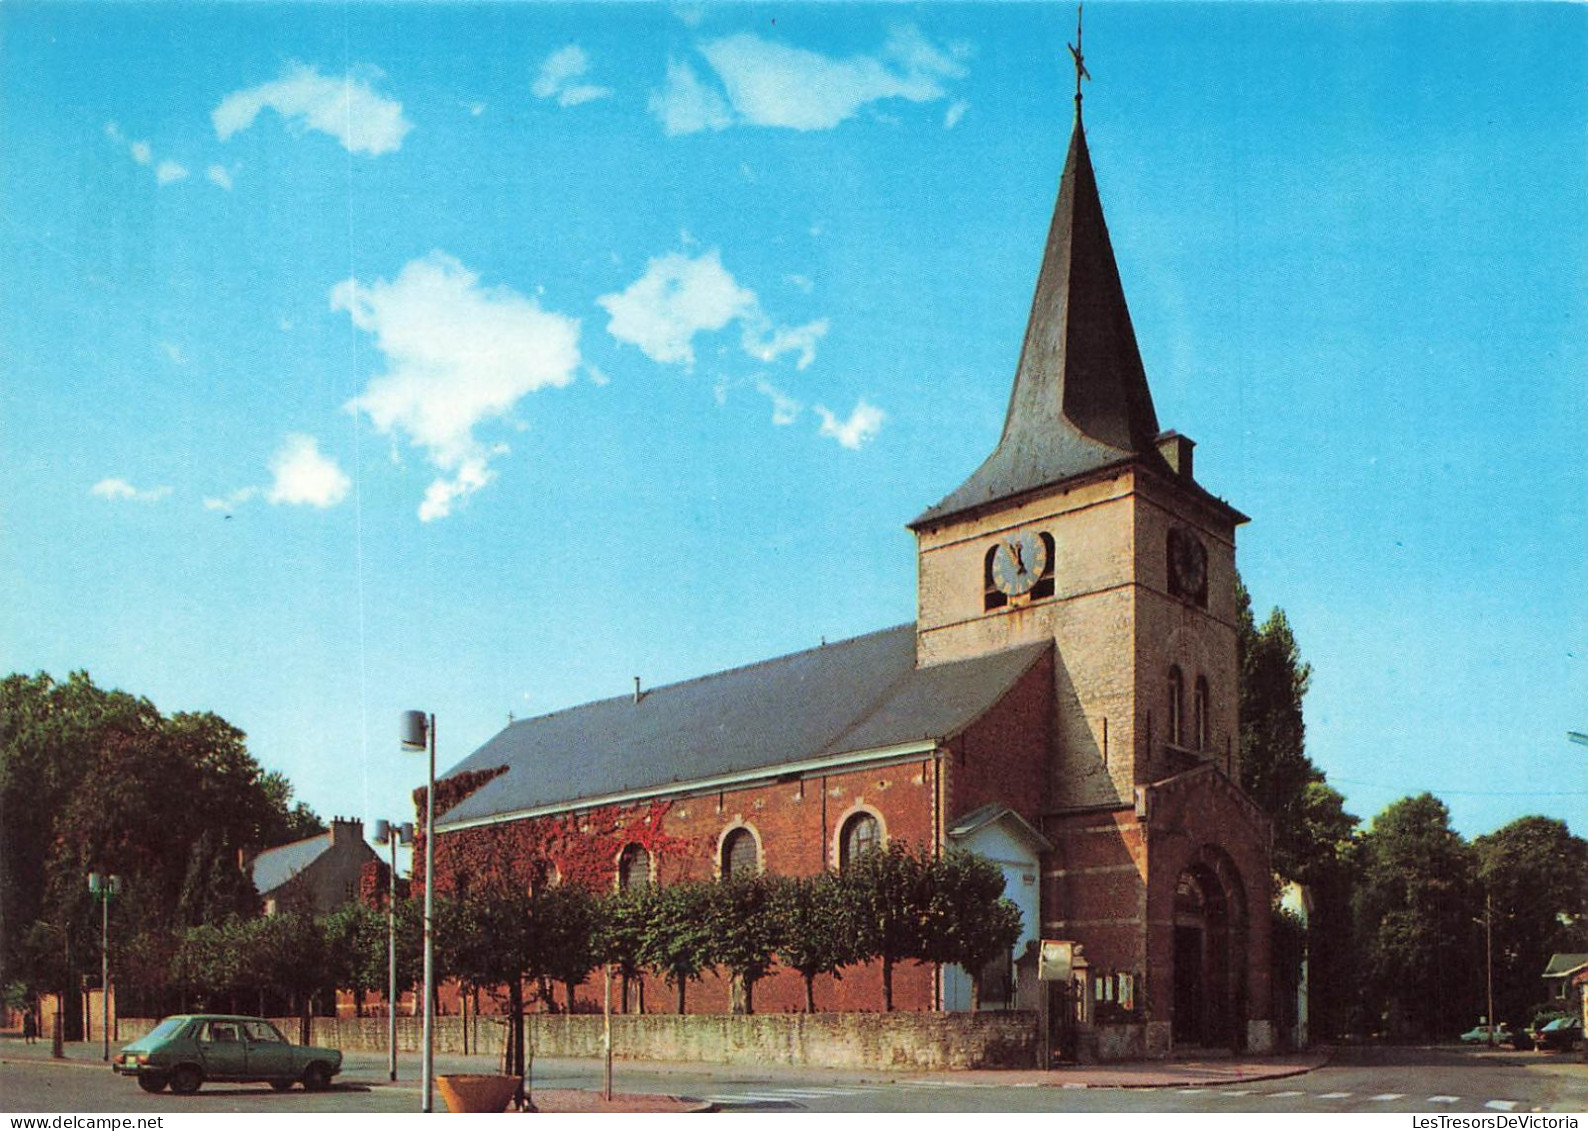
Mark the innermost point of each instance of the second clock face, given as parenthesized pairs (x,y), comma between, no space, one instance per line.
(1019,562)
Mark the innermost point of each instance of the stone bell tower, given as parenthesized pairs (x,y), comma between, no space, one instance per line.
(1086,527)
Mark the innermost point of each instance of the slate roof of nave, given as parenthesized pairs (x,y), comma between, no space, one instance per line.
(853,696)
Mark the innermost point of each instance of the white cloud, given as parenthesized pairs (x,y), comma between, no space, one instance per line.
(348,109)
(863,424)
(232,501)
(785,409)
(166,172)
(457,356)
(677,298)
(120,489)
(685,105)
(174,353)
(219,177)
(559,74)
(772,84)
(767,343)
(169,172)
(954,113)
(304,476)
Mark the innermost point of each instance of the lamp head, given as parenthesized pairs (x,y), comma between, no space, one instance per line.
(414,730)
(382,831)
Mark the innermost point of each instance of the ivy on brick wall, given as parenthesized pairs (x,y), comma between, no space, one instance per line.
(579,848)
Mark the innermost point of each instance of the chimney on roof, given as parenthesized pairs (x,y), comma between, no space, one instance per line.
(637,689)
(346,829)
(1176,451)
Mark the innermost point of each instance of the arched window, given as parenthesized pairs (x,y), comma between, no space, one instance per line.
(738,854)
(1176,707)
(1044,586)
(634,867)
(862,833)
(1199,713)
(992,596)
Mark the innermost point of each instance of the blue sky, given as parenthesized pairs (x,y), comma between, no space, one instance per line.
(479,358)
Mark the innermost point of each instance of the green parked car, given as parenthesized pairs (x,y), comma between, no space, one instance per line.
(187,1050)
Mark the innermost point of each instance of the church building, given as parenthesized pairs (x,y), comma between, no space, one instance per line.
(1065,704)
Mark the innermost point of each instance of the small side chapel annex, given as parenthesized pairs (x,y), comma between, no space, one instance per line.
(1065,703)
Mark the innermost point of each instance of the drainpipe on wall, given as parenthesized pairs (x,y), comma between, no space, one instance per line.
(938,824)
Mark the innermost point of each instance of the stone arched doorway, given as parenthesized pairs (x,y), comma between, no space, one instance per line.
(1210,920)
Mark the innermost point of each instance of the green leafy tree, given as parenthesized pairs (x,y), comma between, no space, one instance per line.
(1534,876)
(968,921)
(623,923)
(1330,874)
(742,934)
(207,968)
(565,919)
(356,949)
(888,895)
(677,942)
(485,938)
(814,928)
(1313,835)
(92,779)
(1415,911)
(1275,769)
(286,956)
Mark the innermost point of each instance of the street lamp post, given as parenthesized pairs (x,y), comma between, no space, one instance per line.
(103,888)
(388,833)
(419,733)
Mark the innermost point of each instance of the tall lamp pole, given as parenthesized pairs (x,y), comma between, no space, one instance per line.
(103,888)
(419,733)
(388,833)
(1488,953)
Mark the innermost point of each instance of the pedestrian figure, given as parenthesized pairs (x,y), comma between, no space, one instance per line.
(30,1026)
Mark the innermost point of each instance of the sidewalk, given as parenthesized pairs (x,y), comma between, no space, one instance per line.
(369,1069)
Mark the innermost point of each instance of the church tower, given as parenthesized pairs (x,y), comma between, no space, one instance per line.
(1087,527)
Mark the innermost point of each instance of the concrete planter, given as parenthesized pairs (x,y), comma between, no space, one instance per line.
(477,1093)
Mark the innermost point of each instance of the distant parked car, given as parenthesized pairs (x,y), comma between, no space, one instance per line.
(1561,1034)
(1479,1034)
(187,1050)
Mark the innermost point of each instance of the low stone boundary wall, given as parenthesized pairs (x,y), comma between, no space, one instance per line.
(907,1041)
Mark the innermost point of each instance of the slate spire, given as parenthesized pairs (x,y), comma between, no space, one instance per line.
(1080,400)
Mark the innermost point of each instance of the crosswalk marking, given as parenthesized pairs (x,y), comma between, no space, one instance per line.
(795,1094)
(786,1095)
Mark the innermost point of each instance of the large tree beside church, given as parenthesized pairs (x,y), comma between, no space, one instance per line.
(1314,835)
(1534,878)
(96,779)
(1415,905)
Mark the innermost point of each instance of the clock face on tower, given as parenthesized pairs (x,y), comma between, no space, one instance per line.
(1188,567)
(1019,562)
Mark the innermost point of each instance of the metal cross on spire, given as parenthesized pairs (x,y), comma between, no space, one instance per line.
(1080,60)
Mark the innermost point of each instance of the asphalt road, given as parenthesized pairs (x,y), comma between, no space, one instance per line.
(1435,1081)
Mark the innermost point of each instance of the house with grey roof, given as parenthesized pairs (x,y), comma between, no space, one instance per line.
(317,874)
